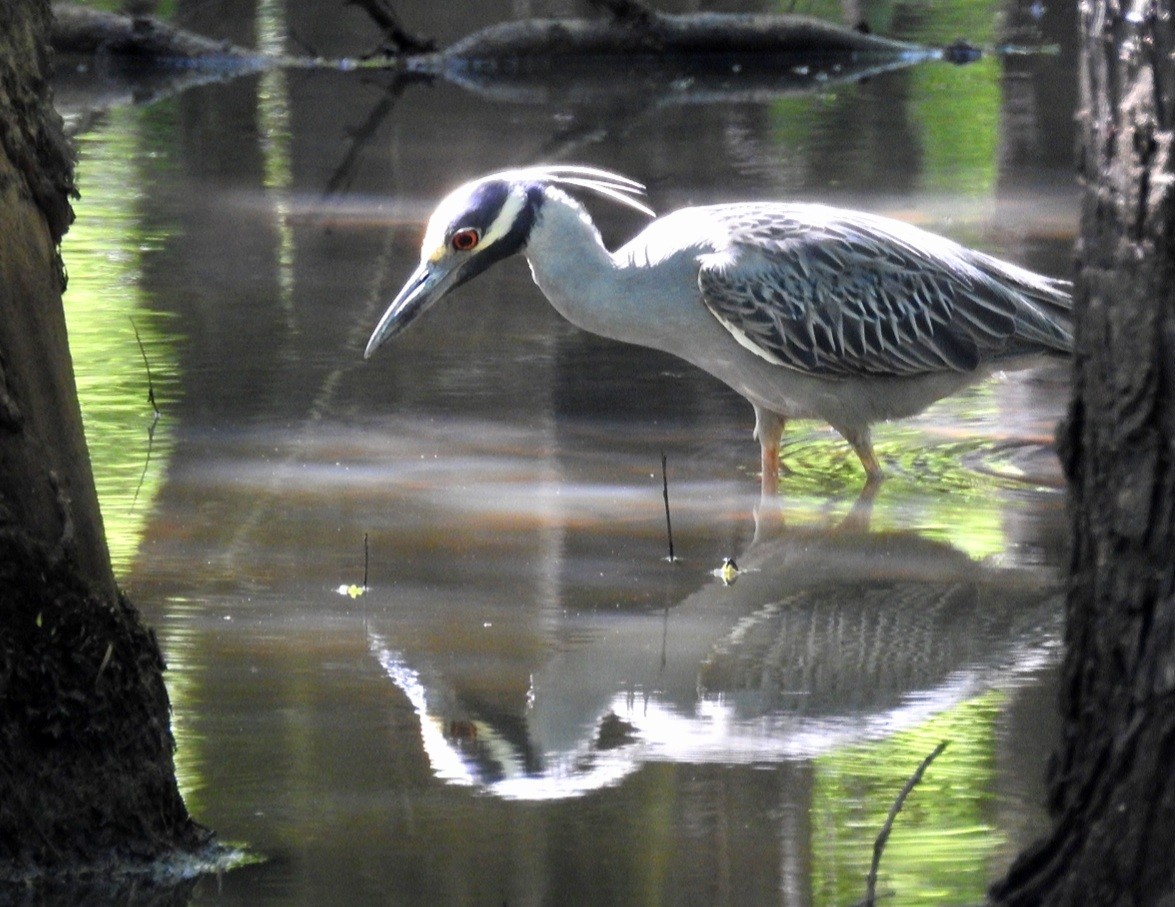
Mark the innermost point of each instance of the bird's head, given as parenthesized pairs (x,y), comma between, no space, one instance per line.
(481,223)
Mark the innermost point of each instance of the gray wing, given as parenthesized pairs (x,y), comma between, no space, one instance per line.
(837,293)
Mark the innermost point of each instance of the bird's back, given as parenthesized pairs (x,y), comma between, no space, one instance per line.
(839,293)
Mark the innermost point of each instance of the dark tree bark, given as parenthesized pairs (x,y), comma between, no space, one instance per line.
(1112,781)
(86,773)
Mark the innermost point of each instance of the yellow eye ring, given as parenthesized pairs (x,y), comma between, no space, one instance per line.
(465,239)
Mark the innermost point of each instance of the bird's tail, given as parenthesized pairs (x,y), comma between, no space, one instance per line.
(1043,305)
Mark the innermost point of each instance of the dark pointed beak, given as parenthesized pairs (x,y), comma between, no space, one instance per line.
(424,287)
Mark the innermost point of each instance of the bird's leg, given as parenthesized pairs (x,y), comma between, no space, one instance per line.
(769,468)
(768,431)
(862,444)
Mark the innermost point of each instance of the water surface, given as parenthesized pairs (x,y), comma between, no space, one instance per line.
(530,704)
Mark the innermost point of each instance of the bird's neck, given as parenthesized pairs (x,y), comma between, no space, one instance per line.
(572,267)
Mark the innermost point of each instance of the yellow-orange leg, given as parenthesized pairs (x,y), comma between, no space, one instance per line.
(862,444)
(768,431)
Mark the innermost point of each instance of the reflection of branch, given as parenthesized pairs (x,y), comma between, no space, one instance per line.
(397,39)
(564,141)
(615,122)
(883,835)
(150,380)
(147,461)
(344,174)
(154,419)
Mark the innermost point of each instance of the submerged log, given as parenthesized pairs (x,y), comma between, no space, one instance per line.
(661,58)
(105,60)
(78,30)
(698,58)
(699,34)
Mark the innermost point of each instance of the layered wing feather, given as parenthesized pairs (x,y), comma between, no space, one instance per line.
(840,293)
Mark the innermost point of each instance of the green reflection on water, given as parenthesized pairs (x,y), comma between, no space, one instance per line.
(105,303)
(956,109)
(946,474)
(930,22)
(953,112)
(943,840)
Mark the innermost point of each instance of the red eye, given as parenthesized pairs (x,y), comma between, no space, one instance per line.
(464,240)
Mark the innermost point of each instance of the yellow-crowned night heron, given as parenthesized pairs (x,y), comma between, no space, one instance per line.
(806,310)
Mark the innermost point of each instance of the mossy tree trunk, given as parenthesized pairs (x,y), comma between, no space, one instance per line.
(86,772)
(1112,781)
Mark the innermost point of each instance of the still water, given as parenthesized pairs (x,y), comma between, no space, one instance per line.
(530,704)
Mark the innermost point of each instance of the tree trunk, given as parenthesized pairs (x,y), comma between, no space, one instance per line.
(86,772)
(1112,783)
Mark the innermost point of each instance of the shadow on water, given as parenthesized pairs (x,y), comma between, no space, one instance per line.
(529,704)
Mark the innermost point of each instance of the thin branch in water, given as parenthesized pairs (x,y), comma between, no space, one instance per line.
(340,181)
(147,461)
(154,418)
(665,494)
(365,560)
(147,364)
(397,39)
(887,827)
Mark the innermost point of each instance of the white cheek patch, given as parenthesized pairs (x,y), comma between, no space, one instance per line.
(511,208)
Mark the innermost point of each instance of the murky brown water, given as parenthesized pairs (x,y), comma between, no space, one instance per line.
(531,705)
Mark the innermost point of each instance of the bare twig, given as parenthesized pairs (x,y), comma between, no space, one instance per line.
(150,379)
(340,181)
(154,406)
(365,561)
(397,39)
(147,459)
(887,827)
(665,493)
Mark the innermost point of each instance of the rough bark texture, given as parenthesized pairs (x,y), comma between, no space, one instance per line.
(45,479)
(1112,784)
(87,783)
(87,780)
